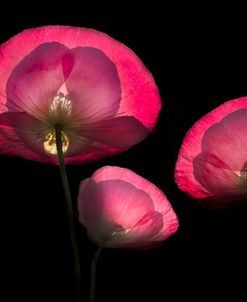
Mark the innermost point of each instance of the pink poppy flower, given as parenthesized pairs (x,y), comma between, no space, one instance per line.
(94,87)
(121,209)
(212,162)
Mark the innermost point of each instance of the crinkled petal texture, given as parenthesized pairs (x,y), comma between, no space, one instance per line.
(121,209)
(94,86)
(212,161)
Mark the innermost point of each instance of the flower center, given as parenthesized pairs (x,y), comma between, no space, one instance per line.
(50,142)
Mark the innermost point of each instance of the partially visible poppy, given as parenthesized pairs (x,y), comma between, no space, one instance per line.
(212,161)
(94,88)
(120,209)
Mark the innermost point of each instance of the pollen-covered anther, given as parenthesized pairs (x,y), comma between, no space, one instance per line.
(50,142)
(122,232)
(61,106)
(241,174)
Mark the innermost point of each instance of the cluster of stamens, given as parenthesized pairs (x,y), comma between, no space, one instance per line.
(61,104)
(59,113)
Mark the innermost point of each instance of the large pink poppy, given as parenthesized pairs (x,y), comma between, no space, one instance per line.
(94,87)
(212,162)
(123,210)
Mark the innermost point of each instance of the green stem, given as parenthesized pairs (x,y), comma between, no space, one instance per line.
(93,274)
(70,215)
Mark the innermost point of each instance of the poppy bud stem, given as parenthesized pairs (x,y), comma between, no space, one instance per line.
(70,214)
(93,274)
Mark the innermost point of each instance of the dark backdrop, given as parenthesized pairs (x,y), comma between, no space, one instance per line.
(198,58)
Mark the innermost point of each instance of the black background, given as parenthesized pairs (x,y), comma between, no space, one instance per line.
(198,58)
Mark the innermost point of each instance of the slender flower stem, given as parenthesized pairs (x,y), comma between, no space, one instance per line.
(70,215)
(93,274)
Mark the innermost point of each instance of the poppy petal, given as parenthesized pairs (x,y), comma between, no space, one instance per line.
(112,201)
(23,141)
(35,81)
(109,132)
(161,203)
(93,84)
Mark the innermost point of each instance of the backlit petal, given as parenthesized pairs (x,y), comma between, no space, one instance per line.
(35,81)
(109,132)
(114,201)
(93,84)
(159,199)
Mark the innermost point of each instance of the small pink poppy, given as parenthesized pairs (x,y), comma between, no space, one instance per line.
(121,209)
(94,87)
(212,162)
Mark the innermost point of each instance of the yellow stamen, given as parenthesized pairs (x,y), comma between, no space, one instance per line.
(50,142)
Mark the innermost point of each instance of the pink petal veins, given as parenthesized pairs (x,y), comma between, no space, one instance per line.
(141,235)
(24,138)
(35,81)
(228,137)
(116,201)
(161,204)
(93,84)
(214,174)
(110,131)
